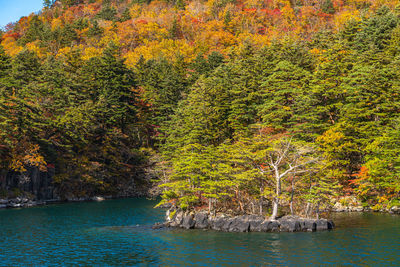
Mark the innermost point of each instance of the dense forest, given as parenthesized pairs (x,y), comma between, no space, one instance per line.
(243,105)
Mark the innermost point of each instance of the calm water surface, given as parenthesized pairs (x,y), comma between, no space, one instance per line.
(118,233)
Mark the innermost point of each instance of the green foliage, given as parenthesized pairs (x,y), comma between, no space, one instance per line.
(281,93)
(95,29)
(5,64)
(327,7)
(35,31)
(25,68)
(164,84)
(48,3)
(377,30)
(214,108)
(125,15)
(68,3)
(107,13)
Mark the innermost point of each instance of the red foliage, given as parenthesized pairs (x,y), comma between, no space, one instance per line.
(249,10)
(272,12)
(9,27)
(50,166)
(261,30)
(324,15)
(14,35)
(337,3)
(360,176)
(142,21)
(195,21)
(22,20)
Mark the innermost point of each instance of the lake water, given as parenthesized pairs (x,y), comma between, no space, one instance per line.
(118,233)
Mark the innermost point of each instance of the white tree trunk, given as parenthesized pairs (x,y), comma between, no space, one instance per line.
(277,195)
(275,209)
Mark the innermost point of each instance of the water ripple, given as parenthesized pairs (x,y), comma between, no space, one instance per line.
(118,233)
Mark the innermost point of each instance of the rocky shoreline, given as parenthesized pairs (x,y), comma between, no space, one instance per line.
(358,208)
(23,202)
(243,223)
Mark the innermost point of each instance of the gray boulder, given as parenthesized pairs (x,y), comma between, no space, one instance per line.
(221,223)
(308,225)
(273,226)
(255,225)
(290,224)
(395,210)
(269,226)
(324,224)
(227,224)
(239,224)
(188,222)
(201,220)
(176,219)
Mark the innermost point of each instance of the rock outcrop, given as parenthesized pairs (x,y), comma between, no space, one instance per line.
(244,223)
(394,210)
(39,185)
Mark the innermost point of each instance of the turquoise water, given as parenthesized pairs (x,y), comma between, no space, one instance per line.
(118,233)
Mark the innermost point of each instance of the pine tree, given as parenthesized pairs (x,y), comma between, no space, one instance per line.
(281,91)
(25,68)
(5,65)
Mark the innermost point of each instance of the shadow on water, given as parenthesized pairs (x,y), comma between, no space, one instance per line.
(119,233)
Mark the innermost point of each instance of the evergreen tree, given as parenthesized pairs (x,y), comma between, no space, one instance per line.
(376,31)
(25,68)
(5,65)
(281,93)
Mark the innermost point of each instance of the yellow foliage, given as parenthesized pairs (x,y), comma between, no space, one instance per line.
(281,3)
(288,15)
(56,23)
(40,52)
(89,9)
(214,37)
(90,52)
(255,39)
(344,16)
(109,36)
(166,48)
(135,11)
(150,31)
(29,157)
(254,3)
(196,9)
(63,51)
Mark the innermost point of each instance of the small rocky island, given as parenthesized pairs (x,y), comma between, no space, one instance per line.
(244,223)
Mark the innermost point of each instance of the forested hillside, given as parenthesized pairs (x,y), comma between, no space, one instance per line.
(248,106)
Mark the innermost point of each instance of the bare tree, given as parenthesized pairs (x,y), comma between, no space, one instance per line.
(286,158)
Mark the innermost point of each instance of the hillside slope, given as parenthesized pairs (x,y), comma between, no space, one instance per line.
(231,105)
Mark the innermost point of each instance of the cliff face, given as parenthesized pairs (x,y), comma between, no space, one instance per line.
(38,184)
